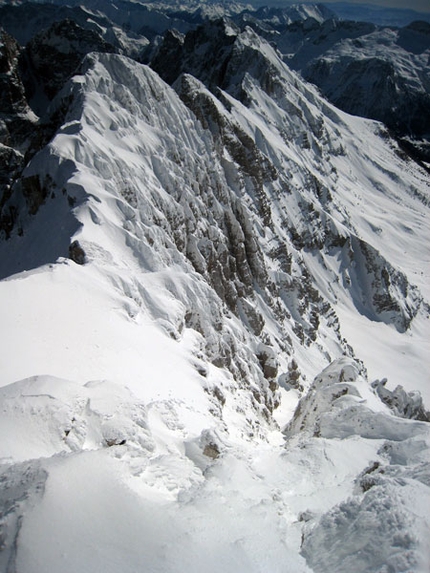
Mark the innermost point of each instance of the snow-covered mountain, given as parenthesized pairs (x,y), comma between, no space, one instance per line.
(379,73)
(214,312)
(375,72)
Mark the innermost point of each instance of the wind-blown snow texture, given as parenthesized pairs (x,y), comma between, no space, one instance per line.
(214,313)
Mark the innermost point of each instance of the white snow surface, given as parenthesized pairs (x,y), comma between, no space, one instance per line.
(129,440)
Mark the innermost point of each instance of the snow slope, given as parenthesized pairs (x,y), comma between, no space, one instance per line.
(184,262)
(375,72)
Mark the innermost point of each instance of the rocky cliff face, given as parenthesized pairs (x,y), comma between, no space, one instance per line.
(53,56)
(16,118)
(12,95)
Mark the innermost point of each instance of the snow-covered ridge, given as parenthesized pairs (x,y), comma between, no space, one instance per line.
(311,37)
(261,181)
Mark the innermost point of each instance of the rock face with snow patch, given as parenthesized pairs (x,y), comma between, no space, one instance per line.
(16,119)
(54,55)
(12,93)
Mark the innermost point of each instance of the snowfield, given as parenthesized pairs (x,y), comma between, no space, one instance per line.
(200,298)
(123,486)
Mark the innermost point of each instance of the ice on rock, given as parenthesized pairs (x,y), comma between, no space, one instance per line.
(404,404)
(341,404)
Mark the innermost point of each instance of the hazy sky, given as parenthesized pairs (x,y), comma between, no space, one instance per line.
(418,5)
